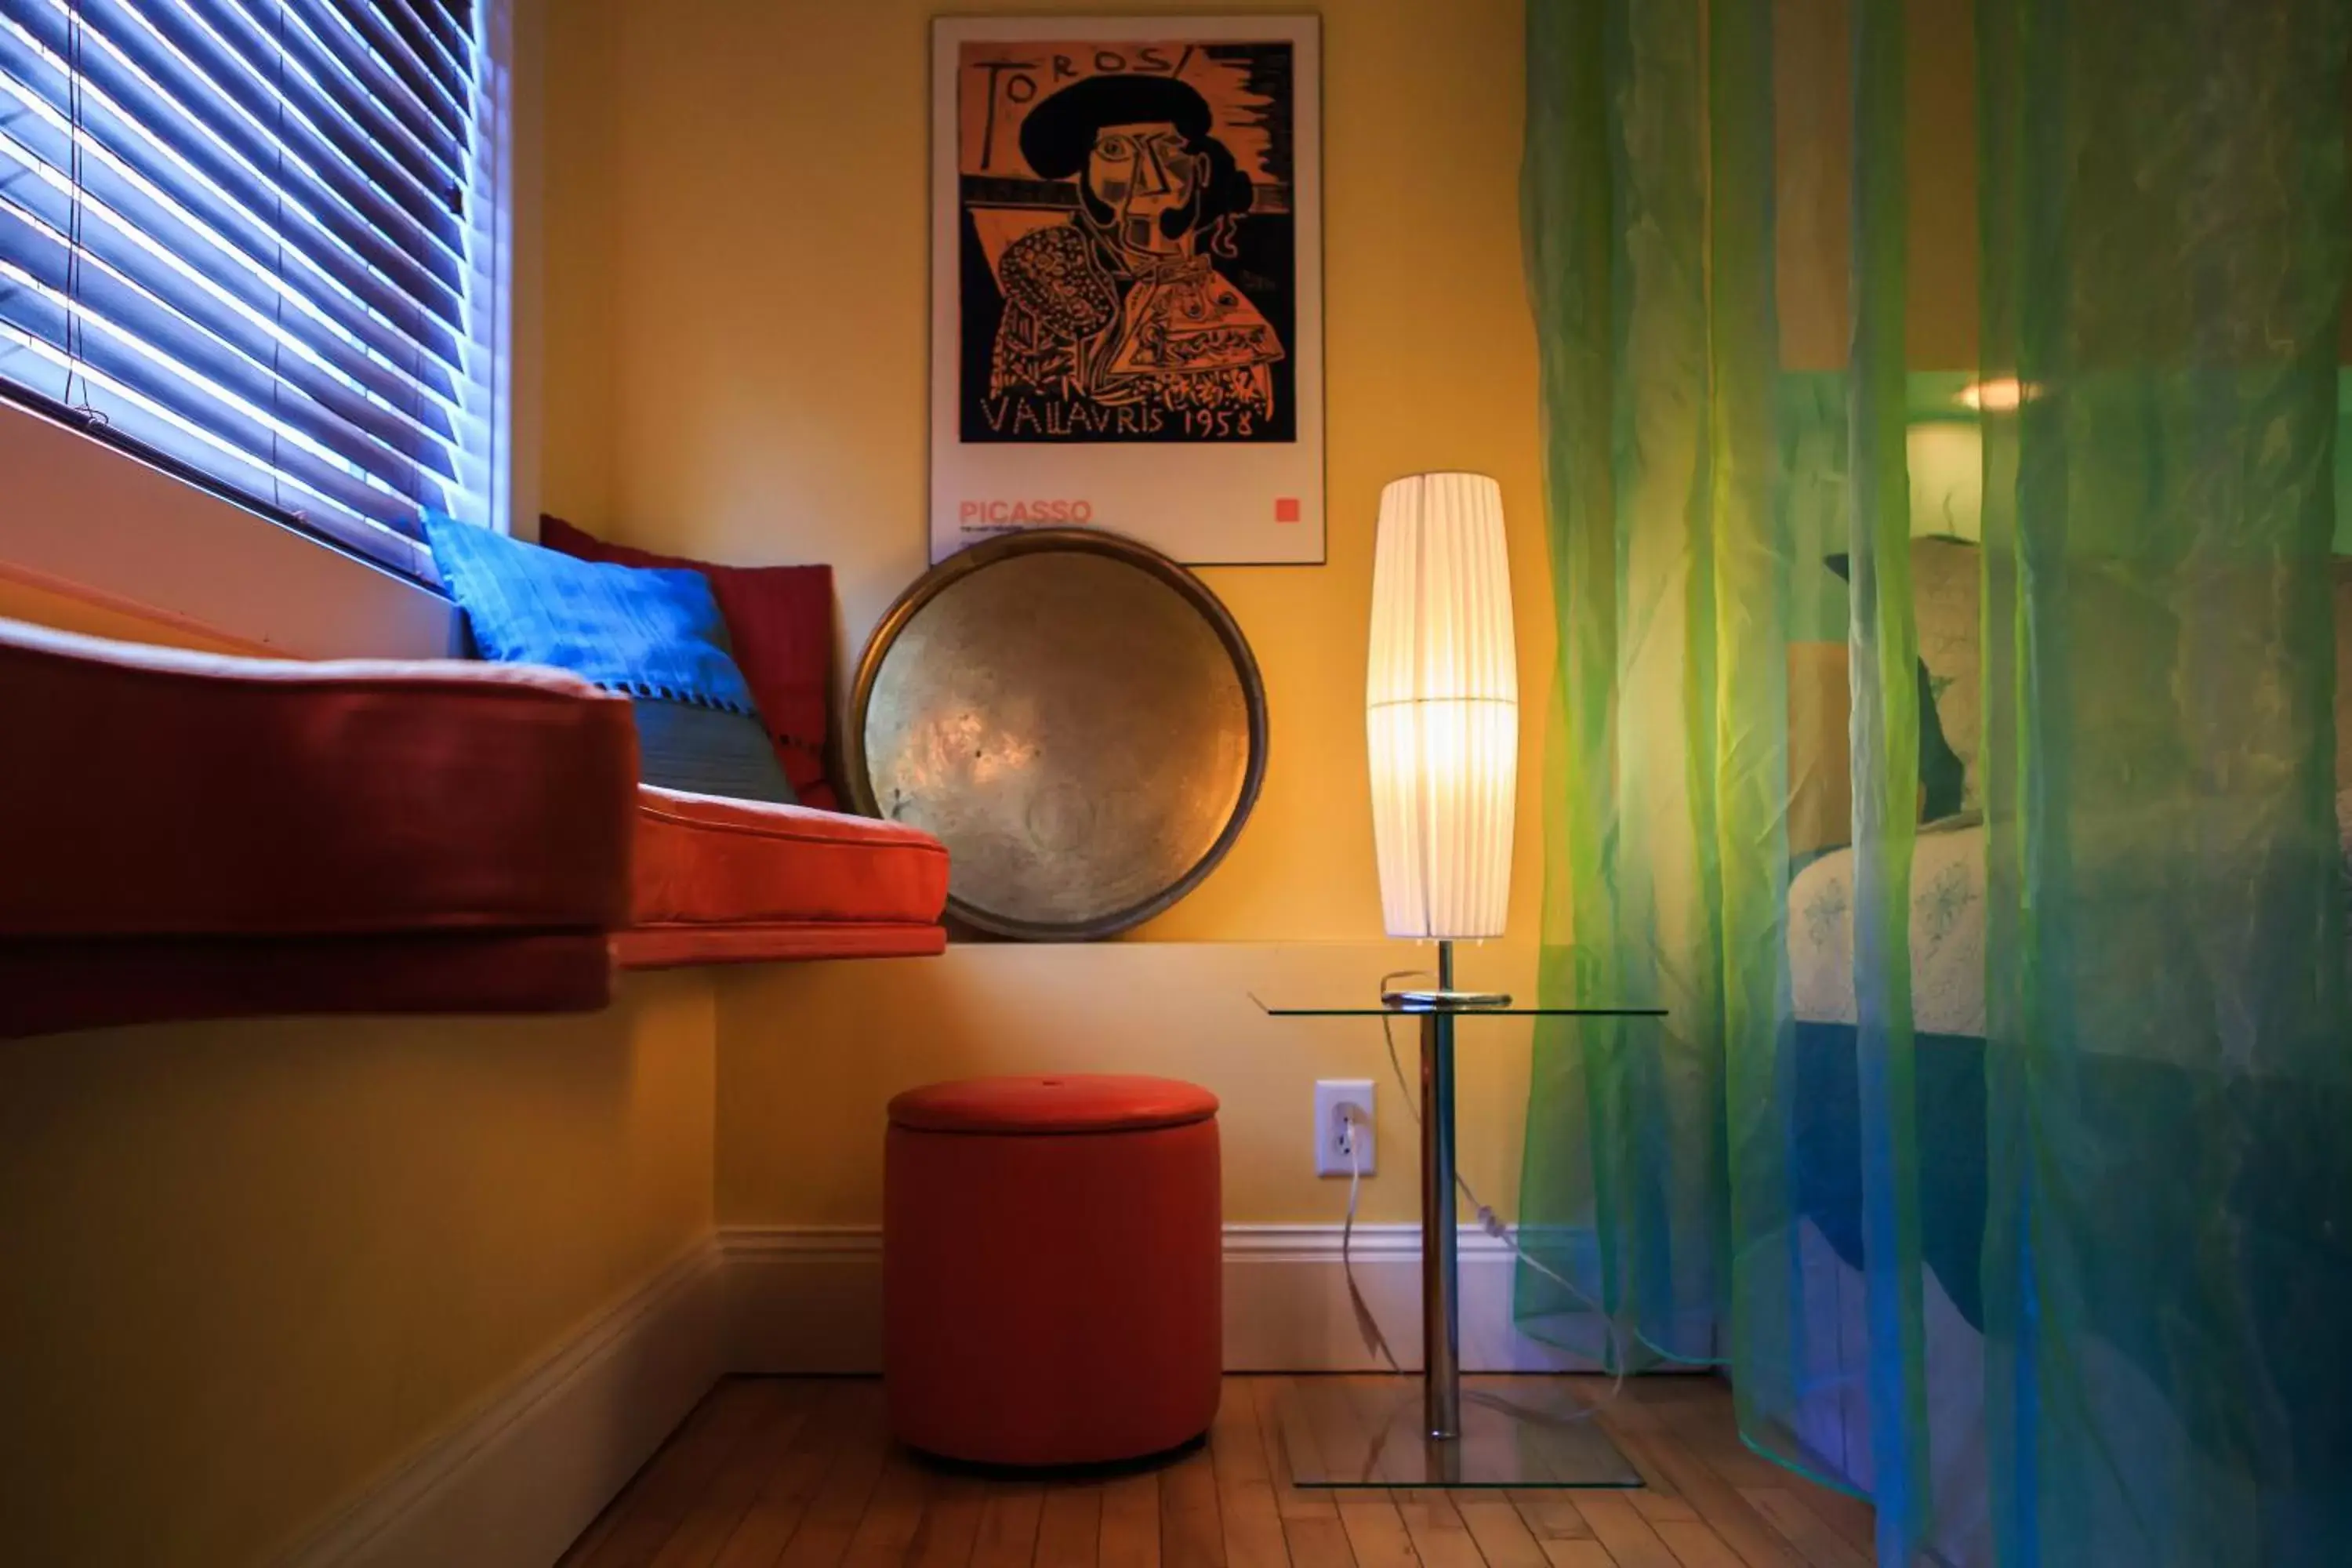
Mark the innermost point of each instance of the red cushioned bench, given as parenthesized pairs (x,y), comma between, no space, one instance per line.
(188,835)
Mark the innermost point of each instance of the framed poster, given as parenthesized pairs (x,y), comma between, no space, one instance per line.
(1127,283)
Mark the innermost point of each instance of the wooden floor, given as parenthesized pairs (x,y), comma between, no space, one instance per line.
(800,1473)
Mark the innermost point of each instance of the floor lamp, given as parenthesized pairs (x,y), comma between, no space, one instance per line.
(1442,727)
(1442,722)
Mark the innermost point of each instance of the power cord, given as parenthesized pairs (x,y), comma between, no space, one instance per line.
(1489,1221)
(1366,1323)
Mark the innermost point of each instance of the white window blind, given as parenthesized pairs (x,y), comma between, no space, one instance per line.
(258,241)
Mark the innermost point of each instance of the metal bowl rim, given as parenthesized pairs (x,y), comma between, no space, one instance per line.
(1073,540)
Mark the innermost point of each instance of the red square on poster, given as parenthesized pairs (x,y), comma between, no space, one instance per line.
(1286,510)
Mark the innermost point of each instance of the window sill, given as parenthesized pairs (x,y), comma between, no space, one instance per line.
(81,520)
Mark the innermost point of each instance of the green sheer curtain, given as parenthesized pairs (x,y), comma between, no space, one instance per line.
(1999,1142)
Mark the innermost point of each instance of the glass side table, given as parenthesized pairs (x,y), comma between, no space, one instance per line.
(1337,1434)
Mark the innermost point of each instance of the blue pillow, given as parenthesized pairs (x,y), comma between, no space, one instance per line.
(649,632)
(653,634)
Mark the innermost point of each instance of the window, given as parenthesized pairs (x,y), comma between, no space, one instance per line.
(258,241)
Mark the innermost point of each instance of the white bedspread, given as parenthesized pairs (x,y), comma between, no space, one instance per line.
(1948,928)
(1948,934)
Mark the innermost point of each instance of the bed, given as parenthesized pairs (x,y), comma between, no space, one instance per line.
(1948,936)
(2131,1370)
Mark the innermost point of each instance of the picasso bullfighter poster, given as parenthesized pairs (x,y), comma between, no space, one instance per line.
(1126,271)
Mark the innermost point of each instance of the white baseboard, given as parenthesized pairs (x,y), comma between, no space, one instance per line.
(1287,1305)
(804,1297)
(516,1481)
(809,1300)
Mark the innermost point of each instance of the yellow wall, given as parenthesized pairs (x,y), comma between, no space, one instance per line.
(810,1055)
(251,1265)
(736,316)
(268,1259)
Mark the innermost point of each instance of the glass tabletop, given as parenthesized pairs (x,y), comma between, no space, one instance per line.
(1374,1007)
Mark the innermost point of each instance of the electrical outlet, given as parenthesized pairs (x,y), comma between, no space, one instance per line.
(1343,1117)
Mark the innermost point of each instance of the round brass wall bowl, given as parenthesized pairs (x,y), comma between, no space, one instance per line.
(1075,716)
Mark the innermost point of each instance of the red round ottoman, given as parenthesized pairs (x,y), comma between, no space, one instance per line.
(1050,1264)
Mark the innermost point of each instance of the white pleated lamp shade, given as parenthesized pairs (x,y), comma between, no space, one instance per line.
(1442,708)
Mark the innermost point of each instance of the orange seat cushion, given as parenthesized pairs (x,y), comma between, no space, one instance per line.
(724,881)
(158,792)
(189,835)
(1073,1102)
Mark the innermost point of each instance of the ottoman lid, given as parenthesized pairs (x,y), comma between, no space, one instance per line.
(1064,1103)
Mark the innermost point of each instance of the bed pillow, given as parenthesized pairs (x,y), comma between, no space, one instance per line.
(779,625)
(1949,704)
(2340,572)
(1945,575)
(656,637)
(2343,847)
(1821,753)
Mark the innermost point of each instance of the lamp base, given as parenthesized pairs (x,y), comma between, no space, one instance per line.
(1418,999)
(1519,1432)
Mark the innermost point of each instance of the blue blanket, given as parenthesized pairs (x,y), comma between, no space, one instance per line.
(2135,1233)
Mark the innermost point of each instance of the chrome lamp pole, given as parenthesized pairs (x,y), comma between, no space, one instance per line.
(1441,1291)
(1441,1299)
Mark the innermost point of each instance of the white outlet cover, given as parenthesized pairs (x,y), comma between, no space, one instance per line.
(1332,1154)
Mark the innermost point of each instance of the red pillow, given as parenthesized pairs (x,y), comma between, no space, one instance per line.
(779,620)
